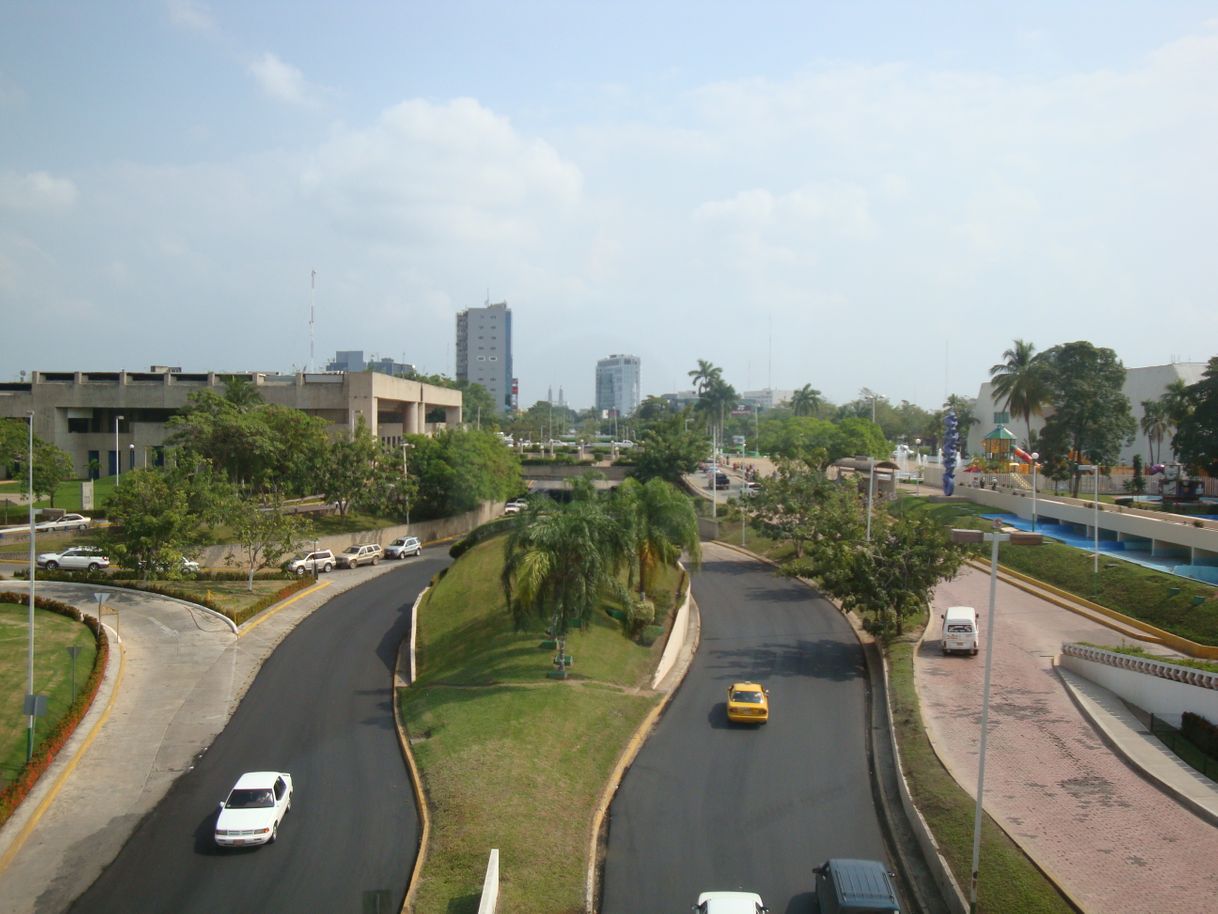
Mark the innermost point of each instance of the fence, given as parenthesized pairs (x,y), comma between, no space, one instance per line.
(1184,748)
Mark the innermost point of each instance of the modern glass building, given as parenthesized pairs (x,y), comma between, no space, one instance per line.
(617,384)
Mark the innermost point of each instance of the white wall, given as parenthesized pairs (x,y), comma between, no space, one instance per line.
(1163,698)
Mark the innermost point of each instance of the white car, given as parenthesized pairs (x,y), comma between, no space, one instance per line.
(66,522)
(515,507)
(730,903)
(404,546)
(254,809)
(78,558)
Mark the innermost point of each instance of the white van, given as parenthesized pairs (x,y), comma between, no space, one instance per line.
(960,632)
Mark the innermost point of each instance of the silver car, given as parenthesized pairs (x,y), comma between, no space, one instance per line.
(77,558)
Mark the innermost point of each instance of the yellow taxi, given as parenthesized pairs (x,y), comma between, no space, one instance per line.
(747,703)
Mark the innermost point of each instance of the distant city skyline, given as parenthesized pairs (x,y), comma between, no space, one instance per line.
(864,195)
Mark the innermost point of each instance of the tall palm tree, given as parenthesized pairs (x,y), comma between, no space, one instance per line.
(1020,382)
(660,522)
(241,392)
(806,401)
(559,563)
(1156,425)
(705,375)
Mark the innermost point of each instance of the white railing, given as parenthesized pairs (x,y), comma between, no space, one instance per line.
(1170,671)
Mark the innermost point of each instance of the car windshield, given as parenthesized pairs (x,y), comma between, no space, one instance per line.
(752,698)
(398,543)
(351,550)
(259,798)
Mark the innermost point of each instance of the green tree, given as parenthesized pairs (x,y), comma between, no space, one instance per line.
(660,523)
(1196,438)
(455,471)
(806,401)
(667,450)
(151,522)
(263,534)
(349,467)
(560,563)
(1156,426)
(790,507)
(241,392)
(234,438)
(52,465)
(1091,418)
(1020,384)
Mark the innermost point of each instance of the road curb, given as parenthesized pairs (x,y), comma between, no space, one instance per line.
(412,766)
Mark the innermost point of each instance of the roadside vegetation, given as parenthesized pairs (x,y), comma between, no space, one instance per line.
(510,758)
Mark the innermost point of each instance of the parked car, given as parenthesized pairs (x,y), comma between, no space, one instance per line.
(66,522)
(254,809)
(403,546)
(365,554)
(77,558)
(515,507)
(844,885)
(748,703)
(730,903)
(312,562)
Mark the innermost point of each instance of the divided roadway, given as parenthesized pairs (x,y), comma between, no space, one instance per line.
(711,806)
(320,708)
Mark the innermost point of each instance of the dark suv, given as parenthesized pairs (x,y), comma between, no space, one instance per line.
(846,886)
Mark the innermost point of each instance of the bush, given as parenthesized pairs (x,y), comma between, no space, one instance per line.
(638,615)
(1201,733)
(485,532)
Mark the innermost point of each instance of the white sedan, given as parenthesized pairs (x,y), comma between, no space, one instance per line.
(254,809)
(66,522)
(78,558)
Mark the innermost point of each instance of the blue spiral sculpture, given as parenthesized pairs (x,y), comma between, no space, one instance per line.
(950,440)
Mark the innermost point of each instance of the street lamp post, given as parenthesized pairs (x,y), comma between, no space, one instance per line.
(29,750)
(1094,470)
(406,482)
(118,455)
(871,475)
(1016,539)
(918,466)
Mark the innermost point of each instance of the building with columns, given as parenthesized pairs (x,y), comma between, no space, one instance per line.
(108,416)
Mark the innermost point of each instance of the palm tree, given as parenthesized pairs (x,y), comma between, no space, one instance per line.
(1020,383)
(705,375)
(241,392)
(806,401)
(1156,425)
(660,522)
(559,562)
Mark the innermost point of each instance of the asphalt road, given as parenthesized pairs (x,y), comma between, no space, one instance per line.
(321,709)
(711,806)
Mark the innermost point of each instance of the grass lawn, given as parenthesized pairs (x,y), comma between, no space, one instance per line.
(53,633)
(510,758)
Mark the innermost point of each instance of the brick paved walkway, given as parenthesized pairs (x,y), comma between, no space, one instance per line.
(1110,839)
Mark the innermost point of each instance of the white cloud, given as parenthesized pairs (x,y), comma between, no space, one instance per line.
(430,174)
(36,191)
(191,14)
(282,82)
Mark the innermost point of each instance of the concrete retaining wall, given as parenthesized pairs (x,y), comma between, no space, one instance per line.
(1165,690)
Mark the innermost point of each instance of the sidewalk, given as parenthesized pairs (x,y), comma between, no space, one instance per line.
(1070,775)
(174,679)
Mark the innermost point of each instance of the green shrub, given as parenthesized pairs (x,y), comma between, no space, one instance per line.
(485,532)
(1201,733)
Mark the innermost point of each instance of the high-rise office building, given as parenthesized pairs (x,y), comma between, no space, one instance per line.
(484,350)
(617,384)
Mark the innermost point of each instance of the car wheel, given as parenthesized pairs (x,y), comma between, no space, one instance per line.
(83,527)
(327,568)
(93,566)
(375,560)
(274,833)
(51,566)
(300,571)
(289,806)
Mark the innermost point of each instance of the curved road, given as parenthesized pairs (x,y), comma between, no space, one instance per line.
(321,708)
(708,806)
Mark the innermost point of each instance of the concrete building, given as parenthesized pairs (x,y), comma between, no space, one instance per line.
(484,351)
(1140,384)
(105,416)
(617,385)
(767,398)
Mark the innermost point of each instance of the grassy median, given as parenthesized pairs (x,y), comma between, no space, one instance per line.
(510,758)
(53,634)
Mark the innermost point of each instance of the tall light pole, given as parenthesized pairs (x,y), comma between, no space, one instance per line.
(871,475)
(996,537)
(1094,470)
(405,483)
(29,743)
(118,455)
(918,466)
(1035,457)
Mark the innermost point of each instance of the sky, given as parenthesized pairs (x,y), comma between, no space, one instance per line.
(844,194)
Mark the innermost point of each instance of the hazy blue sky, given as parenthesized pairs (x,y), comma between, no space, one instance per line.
(849,195)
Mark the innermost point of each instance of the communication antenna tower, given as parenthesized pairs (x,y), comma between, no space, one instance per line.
(312,285)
